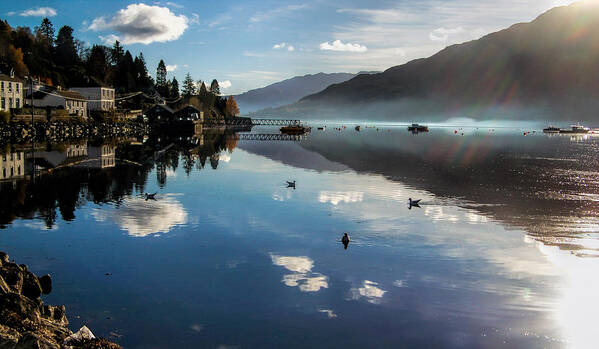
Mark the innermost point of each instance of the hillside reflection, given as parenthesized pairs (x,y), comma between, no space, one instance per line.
(547,186)
(40,181)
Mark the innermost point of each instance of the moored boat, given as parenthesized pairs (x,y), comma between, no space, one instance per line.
(295,129)
(551,129)
(576,129)
(418,128)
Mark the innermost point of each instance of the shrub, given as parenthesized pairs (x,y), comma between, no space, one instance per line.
(4,117)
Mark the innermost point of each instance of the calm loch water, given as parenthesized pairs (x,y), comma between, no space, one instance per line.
(500,253)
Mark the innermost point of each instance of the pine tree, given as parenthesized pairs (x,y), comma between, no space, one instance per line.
(116,53)
(66,52)
(189,87)
(174,90)
(46,29)
(161,85)
(214,88)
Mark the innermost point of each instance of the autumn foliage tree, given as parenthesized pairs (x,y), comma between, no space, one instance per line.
(231,108)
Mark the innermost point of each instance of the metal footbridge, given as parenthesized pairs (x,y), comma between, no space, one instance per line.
(257,122)
(270,137)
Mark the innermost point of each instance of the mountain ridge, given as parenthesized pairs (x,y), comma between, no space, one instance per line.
(542,68)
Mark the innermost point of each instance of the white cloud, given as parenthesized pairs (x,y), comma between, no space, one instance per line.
(338,45)
(264,16)
(442,34)
(174,4)
(141,23)
(224,84)
(11,13)
(109,39)
(39,12)
(219,21)
(171,67)
(195,19)
(284,45)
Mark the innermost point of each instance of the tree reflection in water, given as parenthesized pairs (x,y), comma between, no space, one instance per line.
(67,175)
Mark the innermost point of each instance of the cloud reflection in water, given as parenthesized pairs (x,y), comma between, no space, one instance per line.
(302,276)
(140,217)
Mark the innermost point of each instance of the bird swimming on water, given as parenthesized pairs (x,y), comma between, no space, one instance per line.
(150,196)
(290,184)
(345,240)
(413,202)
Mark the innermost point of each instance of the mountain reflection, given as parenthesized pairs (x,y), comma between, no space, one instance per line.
(545,185)
(39,181)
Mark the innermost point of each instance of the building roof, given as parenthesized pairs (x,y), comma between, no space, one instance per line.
(187,106)
(70,95)
(4,77)
(65,94)
(163,106)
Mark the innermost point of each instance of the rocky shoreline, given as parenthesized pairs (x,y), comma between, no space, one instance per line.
(26,322)
(21,132)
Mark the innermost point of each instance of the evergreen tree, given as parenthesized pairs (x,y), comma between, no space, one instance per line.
(46,29)
(161,83)
(189,87)
(214,88)
(141,72)
(116,53)
(97,63)
(174,88)
(66,51)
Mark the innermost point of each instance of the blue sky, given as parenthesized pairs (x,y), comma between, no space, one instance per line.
(250,44)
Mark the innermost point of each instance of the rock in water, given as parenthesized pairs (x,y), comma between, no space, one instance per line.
(46,283)
(26,322)
(83,334)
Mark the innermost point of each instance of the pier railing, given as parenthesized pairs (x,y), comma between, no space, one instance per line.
(270,137)
(254,122)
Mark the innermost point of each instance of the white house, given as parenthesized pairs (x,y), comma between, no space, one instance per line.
(99,98)
(11,92)
(73,102)
(12,165)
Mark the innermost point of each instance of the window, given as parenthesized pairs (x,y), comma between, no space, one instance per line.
(4,172)
(17,103)
(3,103)
(18,156)
(12,171)
(17,85)
(3,157)
(10,102)
(12,156)
(10,86)
(2,85)
(19,170)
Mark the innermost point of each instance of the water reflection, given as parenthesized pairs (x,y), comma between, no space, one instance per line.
(302,276)
(459,272)
(369,290)
(36,180)
(140,217)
